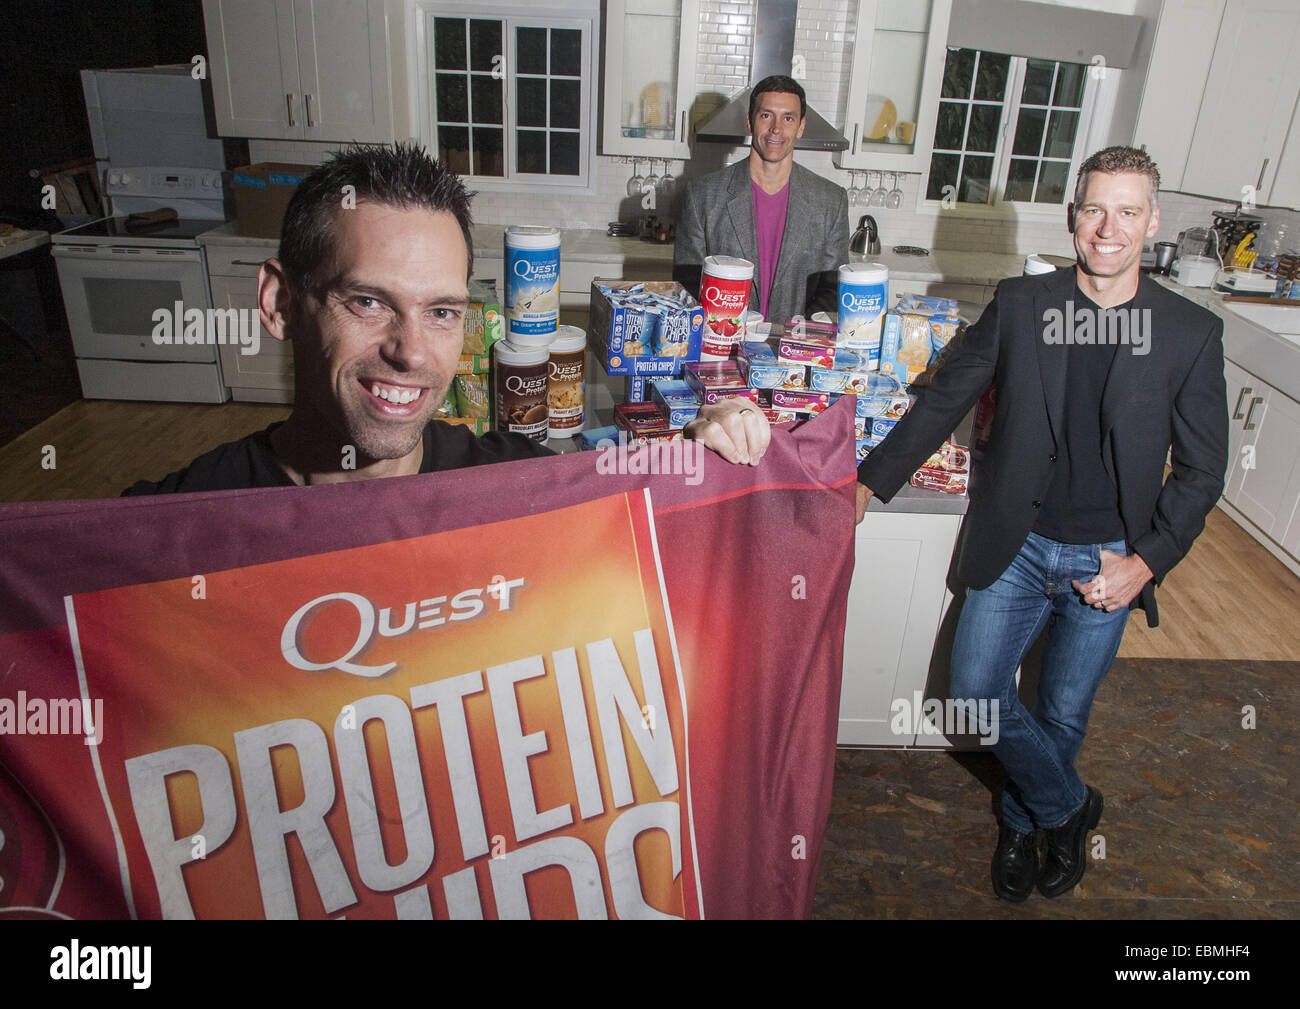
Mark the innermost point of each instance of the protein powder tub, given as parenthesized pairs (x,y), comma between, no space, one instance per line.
(724,293)
(532,271)
(520,378)
(567,387)
(864,290)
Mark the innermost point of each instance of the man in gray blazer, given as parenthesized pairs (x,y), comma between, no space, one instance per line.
(792,224)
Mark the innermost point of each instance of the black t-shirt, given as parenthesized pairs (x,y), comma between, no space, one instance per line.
(1082,502)
(250,462)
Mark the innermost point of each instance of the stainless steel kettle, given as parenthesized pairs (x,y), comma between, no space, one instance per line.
(866,240)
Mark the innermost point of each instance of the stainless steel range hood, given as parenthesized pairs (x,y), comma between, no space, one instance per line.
(773,54)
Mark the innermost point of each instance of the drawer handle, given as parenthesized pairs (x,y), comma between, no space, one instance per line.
(1255,401)
(245,262)
(1236,410)
(288,104)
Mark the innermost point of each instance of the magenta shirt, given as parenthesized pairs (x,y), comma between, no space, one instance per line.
(769,223)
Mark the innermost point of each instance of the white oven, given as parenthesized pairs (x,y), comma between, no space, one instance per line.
(114,282)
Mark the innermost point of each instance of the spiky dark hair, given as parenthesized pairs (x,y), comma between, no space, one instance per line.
(394,175)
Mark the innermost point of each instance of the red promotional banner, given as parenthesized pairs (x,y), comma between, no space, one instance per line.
(595,686)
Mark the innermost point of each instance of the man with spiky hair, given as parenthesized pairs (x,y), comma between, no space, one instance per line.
(371,286)
(1071,519)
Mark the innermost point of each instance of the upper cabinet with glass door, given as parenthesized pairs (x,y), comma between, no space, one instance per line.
(898,59)
(649,77)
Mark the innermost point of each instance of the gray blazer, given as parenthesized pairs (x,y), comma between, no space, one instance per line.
(718,220)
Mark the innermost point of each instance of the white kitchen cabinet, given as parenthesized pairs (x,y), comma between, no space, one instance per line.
(898,56)
(1243,388)
(1286,186)
(1181,53)
(1248,102)
(264,377)
(896,602)
(650,54)
(1272,429)
(326,70)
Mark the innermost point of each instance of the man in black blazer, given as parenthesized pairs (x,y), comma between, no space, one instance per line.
(1100,373)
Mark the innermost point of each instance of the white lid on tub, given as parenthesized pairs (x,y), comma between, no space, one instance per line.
(527,236)
(728,267)
(1036,264)
(512,353)
(568,339)
(864,273)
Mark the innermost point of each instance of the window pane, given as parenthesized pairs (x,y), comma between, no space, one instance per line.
(1060,135)
(975,175)
(1069,85)
(566,104)
(449,43)
(532,102)
(530,50)
(1020,179)
(984,120)
(453,148)
(991,78)
(487,92)
(1038,83)
(484,43)
(950,131)
(566,52)
(453,103)
(1029,132)
(943,172)
(1051,182)
(957,71)
(564,154)
(531,151)
(489,152)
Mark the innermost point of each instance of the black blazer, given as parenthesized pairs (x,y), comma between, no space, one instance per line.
(1173,396)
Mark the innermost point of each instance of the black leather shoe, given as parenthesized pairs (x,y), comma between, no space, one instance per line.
(1066,848)
(1015,864)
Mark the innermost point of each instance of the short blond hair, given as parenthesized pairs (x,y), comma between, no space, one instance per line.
(1113,160)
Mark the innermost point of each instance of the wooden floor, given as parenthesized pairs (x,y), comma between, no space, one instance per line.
(1229,599)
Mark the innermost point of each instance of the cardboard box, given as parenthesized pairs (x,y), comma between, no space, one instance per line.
(262,194)
(616,337)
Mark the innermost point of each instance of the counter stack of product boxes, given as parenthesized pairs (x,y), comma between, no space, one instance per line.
(651,332)
(468,400)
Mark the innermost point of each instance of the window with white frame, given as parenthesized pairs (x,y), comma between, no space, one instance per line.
(1010,129)
(510,93)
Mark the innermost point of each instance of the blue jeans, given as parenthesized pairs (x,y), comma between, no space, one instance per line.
(998,625)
